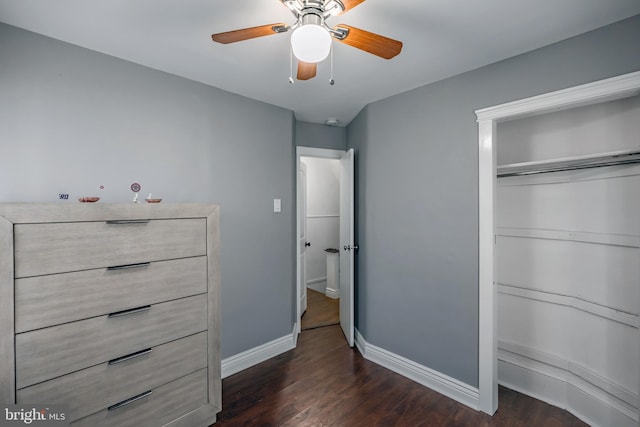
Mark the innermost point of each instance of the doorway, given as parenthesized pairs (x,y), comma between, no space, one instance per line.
(320,238)
(329,221)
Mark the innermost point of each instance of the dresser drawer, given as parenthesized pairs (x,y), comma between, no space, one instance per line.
(63,247)
(53,299)
(47,353)
(93,389)
(157,408)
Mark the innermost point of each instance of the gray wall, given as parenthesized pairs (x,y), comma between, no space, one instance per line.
(417,195)
(321,136)
(72,119)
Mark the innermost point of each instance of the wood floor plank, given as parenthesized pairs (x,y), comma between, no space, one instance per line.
(323,382)
(321,311)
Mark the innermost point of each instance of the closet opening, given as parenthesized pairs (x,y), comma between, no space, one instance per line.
(559,242)
(567,252)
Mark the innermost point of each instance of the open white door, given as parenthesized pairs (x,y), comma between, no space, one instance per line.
(347,246)
(302,238)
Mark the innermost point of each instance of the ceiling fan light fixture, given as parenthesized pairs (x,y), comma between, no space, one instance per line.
(311,43)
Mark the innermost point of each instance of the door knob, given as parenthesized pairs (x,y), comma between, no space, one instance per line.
(307,244)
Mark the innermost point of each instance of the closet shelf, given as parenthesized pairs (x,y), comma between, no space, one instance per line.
(612,158)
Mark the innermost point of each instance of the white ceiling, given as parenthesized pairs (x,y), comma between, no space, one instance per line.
(441,38)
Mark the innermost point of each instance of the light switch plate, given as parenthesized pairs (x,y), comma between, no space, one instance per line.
(277,205)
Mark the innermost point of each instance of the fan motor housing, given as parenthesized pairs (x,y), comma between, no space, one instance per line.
(322,8)
(311,17)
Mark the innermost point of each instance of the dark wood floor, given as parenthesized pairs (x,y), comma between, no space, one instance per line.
(321,311)
(323,382)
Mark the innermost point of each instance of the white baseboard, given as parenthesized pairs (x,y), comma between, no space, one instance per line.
(332,293)
(318,285)
(241,361)
(593,399)
(443,384)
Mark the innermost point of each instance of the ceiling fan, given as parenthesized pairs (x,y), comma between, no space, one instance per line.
(311,35)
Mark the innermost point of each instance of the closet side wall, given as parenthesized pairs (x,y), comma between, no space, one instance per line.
(568,264)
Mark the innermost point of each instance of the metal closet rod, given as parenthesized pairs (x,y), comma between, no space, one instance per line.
(614,160)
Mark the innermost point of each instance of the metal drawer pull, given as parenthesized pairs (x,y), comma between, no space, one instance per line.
(130,356)
(130,311)
(128,221)
(125,266)
(129,400)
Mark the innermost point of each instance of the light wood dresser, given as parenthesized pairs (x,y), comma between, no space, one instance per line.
(112,310)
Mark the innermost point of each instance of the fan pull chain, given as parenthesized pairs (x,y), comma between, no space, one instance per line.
(290,64)
(331,81)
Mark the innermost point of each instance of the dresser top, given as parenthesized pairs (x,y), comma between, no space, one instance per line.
(73,212)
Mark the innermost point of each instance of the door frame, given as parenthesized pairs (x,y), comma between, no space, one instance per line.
(619,87)
(322,153)
(301,215)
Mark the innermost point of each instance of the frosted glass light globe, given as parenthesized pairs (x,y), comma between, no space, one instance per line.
(311,43)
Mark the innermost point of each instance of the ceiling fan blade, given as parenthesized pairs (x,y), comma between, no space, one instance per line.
(249,33)
(376,44)
(306,70)
(350,4)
